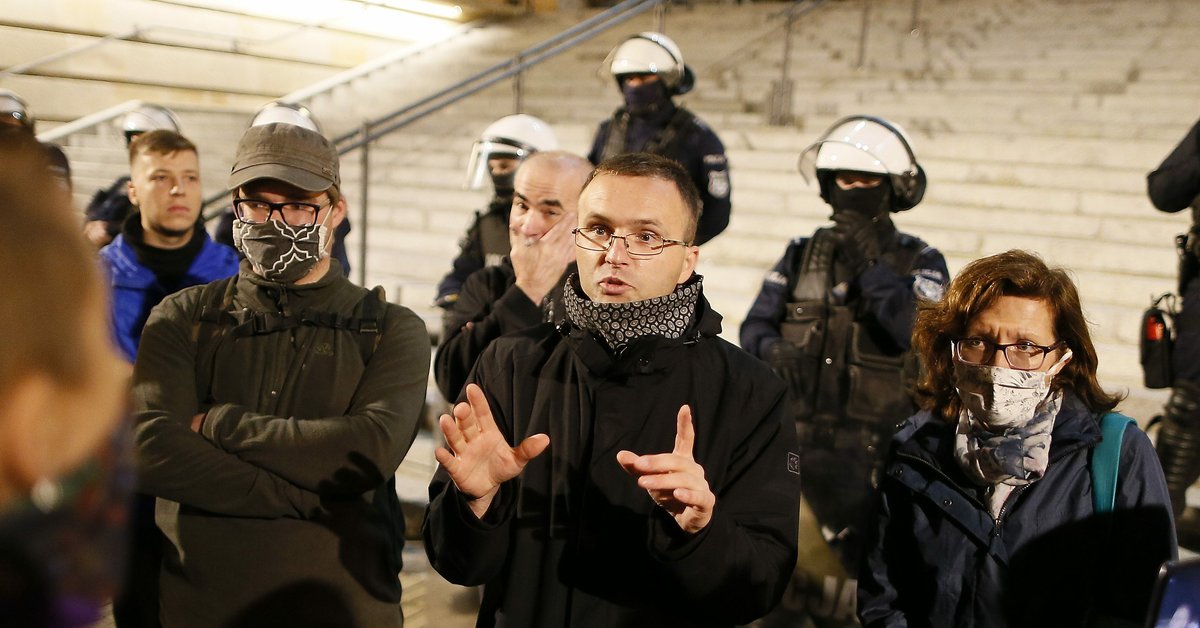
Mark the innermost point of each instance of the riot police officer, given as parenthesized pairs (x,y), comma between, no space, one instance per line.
(502,146)
(16,118)
(834,318)
(650,71)
(1174,186)
(106,212)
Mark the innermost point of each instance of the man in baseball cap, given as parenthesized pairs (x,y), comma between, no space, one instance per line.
(273,409)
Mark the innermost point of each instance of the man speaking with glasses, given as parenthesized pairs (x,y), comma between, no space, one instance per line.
(273,409)
(627,466)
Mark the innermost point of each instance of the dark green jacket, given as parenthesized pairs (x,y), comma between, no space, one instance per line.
(282,508)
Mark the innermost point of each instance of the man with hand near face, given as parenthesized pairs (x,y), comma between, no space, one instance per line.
(627,466)
(273,409)
(526,287)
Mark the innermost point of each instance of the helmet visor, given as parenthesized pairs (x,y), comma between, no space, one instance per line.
(477,168)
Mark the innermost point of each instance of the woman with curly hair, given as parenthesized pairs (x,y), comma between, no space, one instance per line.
(988,511)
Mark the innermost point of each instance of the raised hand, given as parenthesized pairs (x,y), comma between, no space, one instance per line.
(675,481)
(479,459)
(539,263)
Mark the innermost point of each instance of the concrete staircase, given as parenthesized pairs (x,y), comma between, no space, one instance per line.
(1036,121)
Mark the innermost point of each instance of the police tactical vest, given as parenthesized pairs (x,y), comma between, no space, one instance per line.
(668,142)
(846,369)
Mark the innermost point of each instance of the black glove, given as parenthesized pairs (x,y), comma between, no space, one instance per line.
(859,241)
(784,358)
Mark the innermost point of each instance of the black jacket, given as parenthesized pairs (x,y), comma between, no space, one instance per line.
(939,559)
(573,541)
(490,305)
(1175,184)
(282,509)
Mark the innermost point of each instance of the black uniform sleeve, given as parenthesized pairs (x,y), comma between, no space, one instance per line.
(598,142)
(464,549)
(1176,182)
(711,175)
(469,260)
(110,204)
(890,298)
(489,306)
(760,329)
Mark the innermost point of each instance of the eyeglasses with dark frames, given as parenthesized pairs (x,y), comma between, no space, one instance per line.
(293,213)
(640,244)
(1023,356)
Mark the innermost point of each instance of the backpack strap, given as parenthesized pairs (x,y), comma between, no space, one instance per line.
(216,299)
(1106,460)
(368,325)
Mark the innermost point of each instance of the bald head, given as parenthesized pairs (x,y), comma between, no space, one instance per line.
(547,190)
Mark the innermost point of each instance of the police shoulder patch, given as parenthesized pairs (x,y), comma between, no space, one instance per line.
(928,289)
(718,183)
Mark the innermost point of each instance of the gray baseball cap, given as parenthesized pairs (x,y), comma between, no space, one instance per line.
(288,153)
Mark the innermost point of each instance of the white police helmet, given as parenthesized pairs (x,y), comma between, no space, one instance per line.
(517,136)
(286,113)
(148,117)
(871,145)
(652,53)
(13,107)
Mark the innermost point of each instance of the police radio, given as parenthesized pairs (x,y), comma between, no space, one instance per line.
(1155,341)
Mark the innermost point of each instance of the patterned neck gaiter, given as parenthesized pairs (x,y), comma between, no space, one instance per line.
(621,323)
(1004,429)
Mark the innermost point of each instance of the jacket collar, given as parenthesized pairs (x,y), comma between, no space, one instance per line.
(263,294)
(932,440)
(644,354)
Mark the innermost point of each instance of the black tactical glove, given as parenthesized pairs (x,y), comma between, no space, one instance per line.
(784,358)
(859,241)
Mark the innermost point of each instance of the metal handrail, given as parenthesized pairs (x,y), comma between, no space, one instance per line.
(371,130)
(298,96)
(489,76)
(789,15)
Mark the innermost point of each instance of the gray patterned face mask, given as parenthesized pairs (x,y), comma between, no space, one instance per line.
(281,252)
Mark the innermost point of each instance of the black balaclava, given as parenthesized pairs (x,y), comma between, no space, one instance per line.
(647,99)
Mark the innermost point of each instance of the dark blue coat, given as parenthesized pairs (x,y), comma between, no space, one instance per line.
(136,289)
(939,559)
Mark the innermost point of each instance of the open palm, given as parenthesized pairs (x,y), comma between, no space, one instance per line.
(479,458)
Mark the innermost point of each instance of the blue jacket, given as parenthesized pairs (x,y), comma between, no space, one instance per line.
(938,558)
(135,288)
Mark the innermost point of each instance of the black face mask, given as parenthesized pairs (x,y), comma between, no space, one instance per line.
(646,98)
(504,184)
(869,202)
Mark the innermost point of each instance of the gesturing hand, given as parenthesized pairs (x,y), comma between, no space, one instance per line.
(479,459)
(675,481)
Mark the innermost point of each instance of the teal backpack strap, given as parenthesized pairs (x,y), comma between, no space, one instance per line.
(1106,460)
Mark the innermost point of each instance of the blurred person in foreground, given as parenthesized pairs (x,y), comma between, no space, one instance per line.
(989,514)
(65,476)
